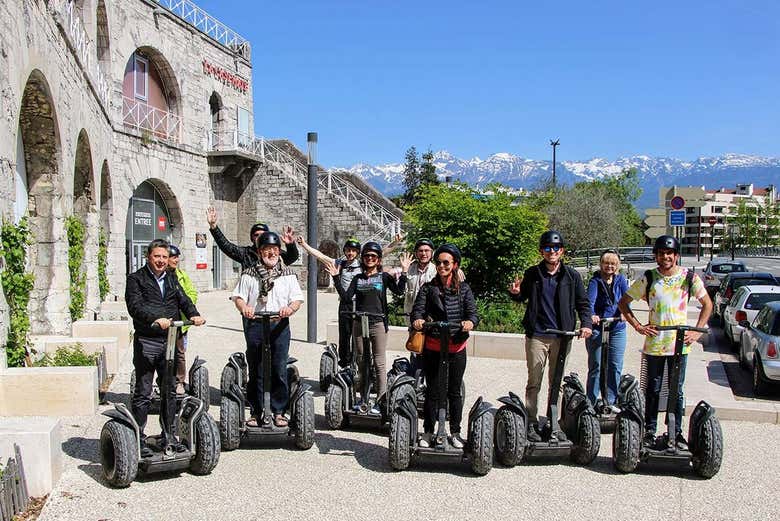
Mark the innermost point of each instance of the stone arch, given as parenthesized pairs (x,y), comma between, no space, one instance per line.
(83,175)
(217,119)
(151,199)
(331,249)
(105,198)
(41,149)
(102,36)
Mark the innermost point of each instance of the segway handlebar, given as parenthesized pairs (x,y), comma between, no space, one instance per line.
(562,333)
(174,323)
(610,320)
(362,314)
(681,328)
(262,314)
(452,326)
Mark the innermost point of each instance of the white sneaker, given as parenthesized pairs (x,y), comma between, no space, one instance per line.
(456,441)
(425,441)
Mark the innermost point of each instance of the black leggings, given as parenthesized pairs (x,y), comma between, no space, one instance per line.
(457,368)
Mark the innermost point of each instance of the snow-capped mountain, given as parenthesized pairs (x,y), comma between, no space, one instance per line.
(517,172)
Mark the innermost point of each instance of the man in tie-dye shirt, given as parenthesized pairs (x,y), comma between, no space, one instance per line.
(667,298)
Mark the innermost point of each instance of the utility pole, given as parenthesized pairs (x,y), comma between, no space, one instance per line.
(311,229)
(554,144)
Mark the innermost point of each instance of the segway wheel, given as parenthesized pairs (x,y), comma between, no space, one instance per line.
(708,454)
(206,445)
(118,454)
(199,386)
(334,407)
(229,423)
(588,440)
(400,441)
(326,371)
(510,437)
(293,379)
(304,421)
(229,376)
(626,443)
(481,443)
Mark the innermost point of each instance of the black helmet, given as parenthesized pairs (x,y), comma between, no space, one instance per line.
(351,243)
(268,239)
(552,238)
(262,227)
(173,251)
(448,248)
(666,242)
(373,247)
(423,242)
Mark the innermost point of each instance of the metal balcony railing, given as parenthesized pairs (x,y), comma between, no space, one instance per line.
(388,224)
(162,124)
(207,24)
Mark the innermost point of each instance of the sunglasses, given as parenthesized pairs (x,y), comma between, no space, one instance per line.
(370,256)
(548,248)
(444,263)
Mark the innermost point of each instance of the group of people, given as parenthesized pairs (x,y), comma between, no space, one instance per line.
(433,288)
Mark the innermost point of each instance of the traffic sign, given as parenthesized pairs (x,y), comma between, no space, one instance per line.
(712,220)
(656,220)
(677,202)
(677,218)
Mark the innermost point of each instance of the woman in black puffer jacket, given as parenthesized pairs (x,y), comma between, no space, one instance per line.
(445,298)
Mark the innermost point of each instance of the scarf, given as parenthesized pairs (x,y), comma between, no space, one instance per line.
(266,277)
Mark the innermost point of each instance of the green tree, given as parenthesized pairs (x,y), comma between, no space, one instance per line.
(498,236)
(428,169)
(758,222)
(411,174)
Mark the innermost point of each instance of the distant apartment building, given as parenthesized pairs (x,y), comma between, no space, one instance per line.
(722,204)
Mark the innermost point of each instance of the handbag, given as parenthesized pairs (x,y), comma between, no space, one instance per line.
(415,341)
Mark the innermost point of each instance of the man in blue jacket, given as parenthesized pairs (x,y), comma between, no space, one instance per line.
(556,297)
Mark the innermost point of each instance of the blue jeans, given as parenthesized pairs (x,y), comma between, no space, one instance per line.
(655,373)
(280,349)
(617,348)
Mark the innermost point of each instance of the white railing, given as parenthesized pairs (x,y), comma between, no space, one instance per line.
(207,24)
(162,124)
(387,223)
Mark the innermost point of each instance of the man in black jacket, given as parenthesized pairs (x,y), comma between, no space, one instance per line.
(153,296)
(556,296)
(247,255)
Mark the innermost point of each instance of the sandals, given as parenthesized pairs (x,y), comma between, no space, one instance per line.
(280,420)
(253,422)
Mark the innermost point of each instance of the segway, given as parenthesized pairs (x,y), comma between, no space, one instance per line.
(404,366)
(605,413)
(233,404)
(341,403)
(576,434)
(197,434)
(329,363)
(705,437)
(404,429)
(198,386)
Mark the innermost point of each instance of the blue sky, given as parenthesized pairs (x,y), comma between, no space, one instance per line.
(610,79)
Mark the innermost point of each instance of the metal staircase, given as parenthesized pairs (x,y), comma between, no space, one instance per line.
(387,224)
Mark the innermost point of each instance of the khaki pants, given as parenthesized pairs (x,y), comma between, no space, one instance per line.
(181,362)
(537,351)
(378,339)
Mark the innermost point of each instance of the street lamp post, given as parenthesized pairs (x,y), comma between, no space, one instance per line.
(311,236)
(554,145)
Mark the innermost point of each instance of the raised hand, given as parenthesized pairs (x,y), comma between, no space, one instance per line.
(211,216)
(288,235)
(406,261)
(514,286)
(332,269)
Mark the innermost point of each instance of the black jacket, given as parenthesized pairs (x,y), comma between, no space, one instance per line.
(145,303)
(455,307)
(571,299)
(388,282)
(246,255)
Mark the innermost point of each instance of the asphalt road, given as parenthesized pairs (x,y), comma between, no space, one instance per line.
(346,474)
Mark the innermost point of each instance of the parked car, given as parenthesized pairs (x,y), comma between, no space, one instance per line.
(745,305)
(758,349)
(716,271)
(734,281)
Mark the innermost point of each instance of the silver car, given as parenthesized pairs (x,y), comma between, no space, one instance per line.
(759,347)
(745,305)
(717,269)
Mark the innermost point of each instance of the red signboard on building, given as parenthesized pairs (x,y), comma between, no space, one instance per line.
(225,76)
(161,223)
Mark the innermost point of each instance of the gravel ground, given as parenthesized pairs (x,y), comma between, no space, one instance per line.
(346,474)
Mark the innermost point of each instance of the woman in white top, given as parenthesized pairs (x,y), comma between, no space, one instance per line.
(268,286)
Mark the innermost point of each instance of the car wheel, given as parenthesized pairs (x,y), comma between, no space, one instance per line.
(760,385)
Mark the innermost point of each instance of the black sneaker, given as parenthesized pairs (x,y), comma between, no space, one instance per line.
(533,436)
(146,450)
(649,440)
(680,442)
(561,436)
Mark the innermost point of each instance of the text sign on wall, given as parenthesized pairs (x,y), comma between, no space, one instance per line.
(225,76)
(143,220)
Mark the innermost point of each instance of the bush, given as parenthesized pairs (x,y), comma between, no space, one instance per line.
(17,284)
(68,356)
(500,316)
(77,232)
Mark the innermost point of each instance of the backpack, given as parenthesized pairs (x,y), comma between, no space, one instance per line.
(649,278)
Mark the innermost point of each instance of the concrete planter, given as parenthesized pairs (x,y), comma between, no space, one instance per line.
(40,442)
(50,344)
(49,391)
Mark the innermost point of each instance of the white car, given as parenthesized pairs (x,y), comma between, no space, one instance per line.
(745,305)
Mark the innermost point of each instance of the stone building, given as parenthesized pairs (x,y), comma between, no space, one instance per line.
(134,116)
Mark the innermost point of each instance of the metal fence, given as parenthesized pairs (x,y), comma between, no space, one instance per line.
(208,25)
(13,488)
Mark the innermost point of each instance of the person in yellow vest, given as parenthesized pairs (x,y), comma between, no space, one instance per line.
(174,257)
